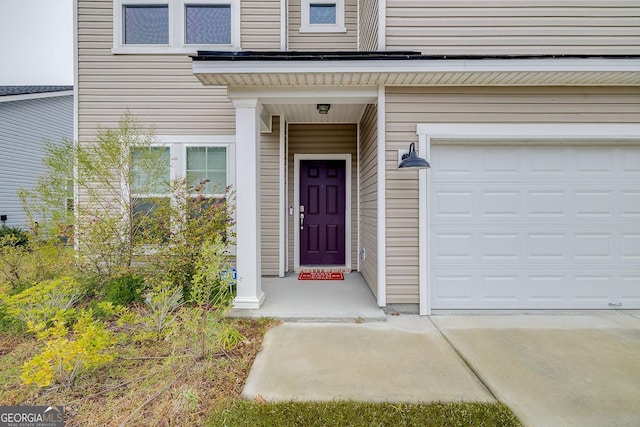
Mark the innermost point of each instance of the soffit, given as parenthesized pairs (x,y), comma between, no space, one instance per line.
(308,113)
(439,72)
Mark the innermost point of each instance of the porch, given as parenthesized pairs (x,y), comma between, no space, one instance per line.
(290,299)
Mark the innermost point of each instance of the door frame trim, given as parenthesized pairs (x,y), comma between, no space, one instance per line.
(296,203)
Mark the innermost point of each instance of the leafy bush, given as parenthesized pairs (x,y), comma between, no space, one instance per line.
(38,305)
(67,353)
(195,220)
(162,301)
(105,310)
(124,290)
(13,236)
(210,287)
(39,260)
(211,293)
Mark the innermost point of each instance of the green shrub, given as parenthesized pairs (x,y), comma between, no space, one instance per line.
(124,290)
(162,301)
(38,305)
(37,261)
(67,353)
(210,287)
(13,236)
(105,310)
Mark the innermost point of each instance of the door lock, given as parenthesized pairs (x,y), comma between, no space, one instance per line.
(301,217)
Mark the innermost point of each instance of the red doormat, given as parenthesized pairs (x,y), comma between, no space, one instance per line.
(320,275)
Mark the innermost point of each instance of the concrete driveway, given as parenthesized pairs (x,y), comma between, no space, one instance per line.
(550,369)
(555,370)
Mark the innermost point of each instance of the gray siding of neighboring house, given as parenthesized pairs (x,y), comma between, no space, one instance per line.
(407,106)
(522,27)
(24,127)
(368,162)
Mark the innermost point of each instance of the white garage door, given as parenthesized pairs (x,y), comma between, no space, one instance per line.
(546,226)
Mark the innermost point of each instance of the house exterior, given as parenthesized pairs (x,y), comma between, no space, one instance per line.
(29,116)
(528,112)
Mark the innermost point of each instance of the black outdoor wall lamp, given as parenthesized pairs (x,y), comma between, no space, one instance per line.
(411,160)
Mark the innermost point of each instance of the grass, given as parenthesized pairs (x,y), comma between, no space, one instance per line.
(147,385)
(348,413)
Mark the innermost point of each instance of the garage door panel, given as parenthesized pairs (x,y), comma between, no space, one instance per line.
(554,227)
(501,289)
(630,246)
(630,204)
(537,245)
(629,289)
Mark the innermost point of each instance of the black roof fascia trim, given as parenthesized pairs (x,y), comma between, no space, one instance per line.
(372,56)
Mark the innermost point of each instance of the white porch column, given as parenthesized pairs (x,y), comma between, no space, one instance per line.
(249,288)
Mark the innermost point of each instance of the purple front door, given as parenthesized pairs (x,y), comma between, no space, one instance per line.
(322,202)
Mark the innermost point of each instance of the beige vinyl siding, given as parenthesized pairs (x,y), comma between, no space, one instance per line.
(323,41)
(494,27)
(368,25)
(405,107)
(324,139)
(270,199)
(160,90)
(260,28)
(369,196)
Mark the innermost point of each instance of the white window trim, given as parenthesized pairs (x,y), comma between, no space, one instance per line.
(177,30)
(307,27)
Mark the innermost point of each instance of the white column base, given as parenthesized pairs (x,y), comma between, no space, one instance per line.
(248,302)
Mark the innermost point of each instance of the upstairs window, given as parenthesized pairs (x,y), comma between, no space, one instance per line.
(146,24)
(175,26)
(322,16)
(208,24)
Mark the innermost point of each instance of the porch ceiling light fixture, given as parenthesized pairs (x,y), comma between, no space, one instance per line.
(323,108)
(411,160)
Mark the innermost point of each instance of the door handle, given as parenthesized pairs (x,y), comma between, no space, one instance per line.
(301,217)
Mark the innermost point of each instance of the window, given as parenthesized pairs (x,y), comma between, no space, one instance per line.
(207,165)
(322,16)
(208,24)
(175,26)
(207,170)
(146,24)
(150,194)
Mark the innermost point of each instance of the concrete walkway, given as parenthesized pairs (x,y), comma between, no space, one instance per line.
(402,360)
(550,369)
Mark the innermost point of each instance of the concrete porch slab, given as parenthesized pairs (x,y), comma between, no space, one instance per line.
(290,299)
(403,360)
